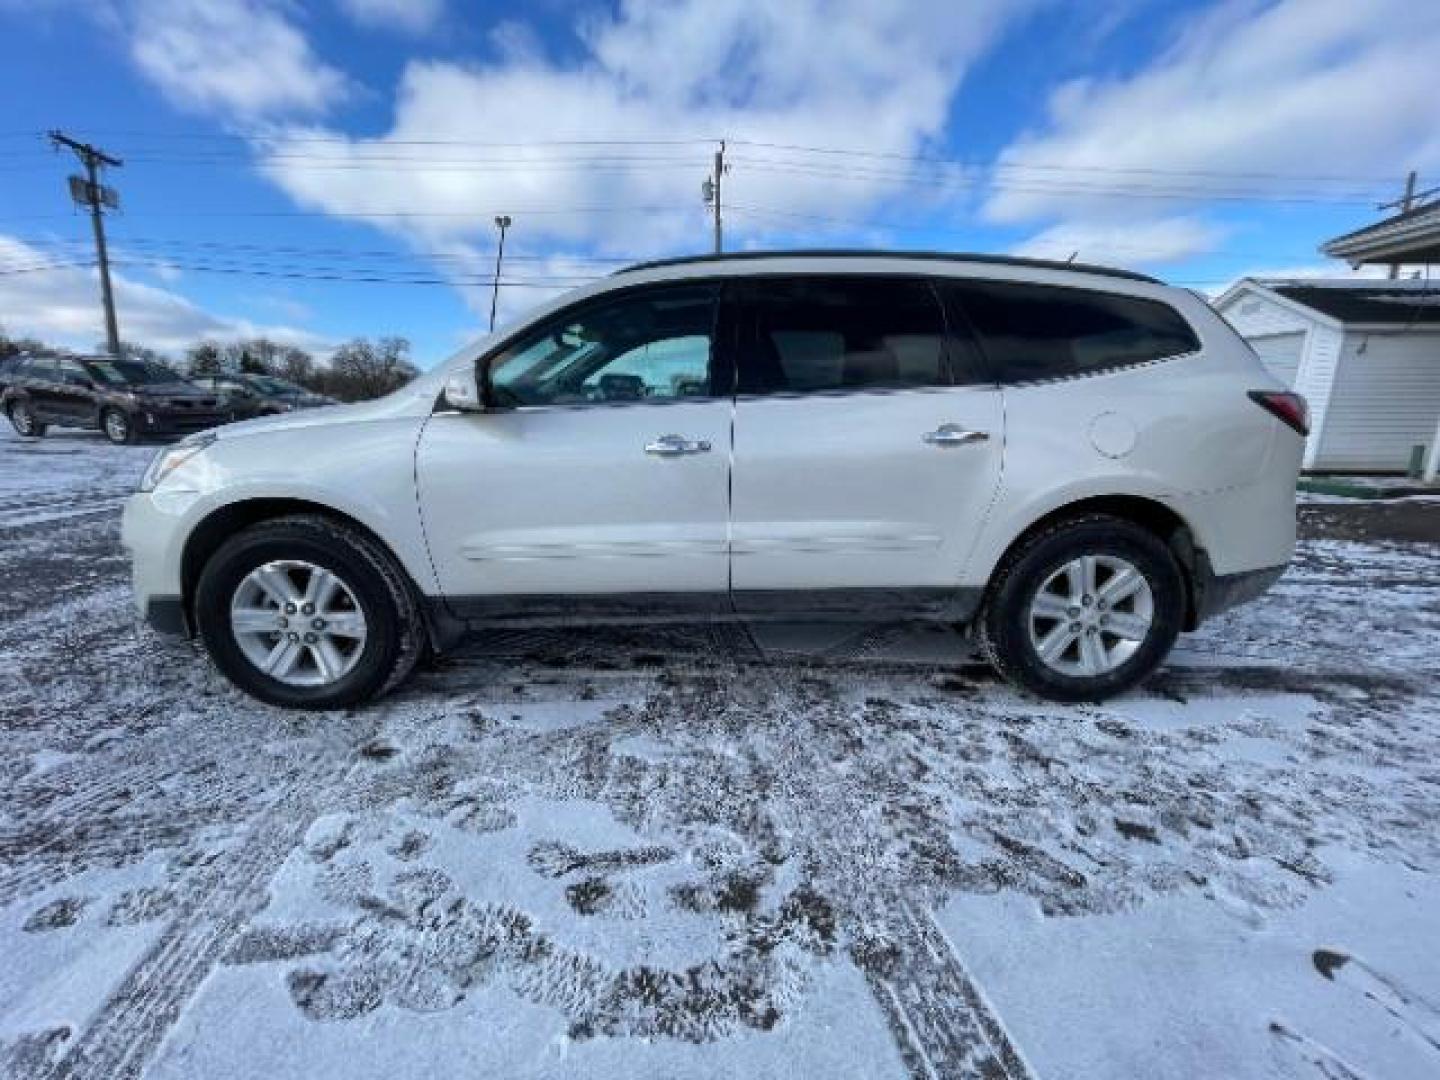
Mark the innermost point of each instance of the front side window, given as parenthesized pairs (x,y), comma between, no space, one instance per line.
(810,335)
(1032,332)
(648,346)
(72,373)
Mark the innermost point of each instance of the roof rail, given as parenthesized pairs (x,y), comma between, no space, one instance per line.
(862,253)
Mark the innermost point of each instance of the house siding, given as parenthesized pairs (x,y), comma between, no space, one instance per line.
(1384,399)
(1315,382)
(1254,315)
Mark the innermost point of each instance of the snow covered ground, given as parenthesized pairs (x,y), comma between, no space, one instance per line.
(675,853)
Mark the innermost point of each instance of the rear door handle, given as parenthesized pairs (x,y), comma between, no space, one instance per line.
(676,446)
(953,435)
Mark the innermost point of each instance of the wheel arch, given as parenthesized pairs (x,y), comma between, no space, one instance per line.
(211,531)
(1150,514)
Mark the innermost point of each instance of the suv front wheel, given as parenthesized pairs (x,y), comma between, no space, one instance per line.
(307,612)
(1084,609)
(118,427)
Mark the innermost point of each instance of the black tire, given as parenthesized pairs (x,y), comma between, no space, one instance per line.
(395,637)
(117,427)
(1003,628)
(24,420)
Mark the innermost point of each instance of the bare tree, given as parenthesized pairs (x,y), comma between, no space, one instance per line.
(298,366)
(362,369)
(203,358)
(133,350)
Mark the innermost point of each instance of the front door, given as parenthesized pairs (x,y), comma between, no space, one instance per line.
(867,444)
(604,467)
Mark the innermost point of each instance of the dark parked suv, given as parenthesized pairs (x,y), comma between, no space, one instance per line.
(126,399)
(247,395)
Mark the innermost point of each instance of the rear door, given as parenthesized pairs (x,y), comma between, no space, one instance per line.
(41,384)
(868,443)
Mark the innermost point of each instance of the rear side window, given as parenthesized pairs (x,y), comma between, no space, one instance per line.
(1031,332)
(809,335)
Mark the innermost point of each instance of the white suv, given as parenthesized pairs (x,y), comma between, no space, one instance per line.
(1077,462)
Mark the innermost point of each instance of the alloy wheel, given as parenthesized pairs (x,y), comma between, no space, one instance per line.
(1091,615)
(298,623)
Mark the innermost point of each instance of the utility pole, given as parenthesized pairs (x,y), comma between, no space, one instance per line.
(502,222)
(90,192)
(710,189)
(1405,203)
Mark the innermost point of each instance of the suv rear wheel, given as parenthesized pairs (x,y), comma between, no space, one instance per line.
(1084,609)
(306,612)
(23,420)
(118,427)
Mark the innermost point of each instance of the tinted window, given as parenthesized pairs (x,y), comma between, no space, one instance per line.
(850,333)
(1045,332)
(72,373)
(643,347)
(131,372)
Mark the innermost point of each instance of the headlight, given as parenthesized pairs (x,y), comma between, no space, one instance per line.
(172,457)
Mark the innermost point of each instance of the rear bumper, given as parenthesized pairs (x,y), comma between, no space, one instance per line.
(1215,593)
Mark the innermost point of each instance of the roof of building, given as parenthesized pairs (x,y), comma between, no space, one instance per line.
(1412,236)
(1404,302)
(860,253)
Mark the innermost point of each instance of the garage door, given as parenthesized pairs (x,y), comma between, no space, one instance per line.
(1281,354)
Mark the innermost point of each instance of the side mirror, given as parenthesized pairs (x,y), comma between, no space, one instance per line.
(462,392)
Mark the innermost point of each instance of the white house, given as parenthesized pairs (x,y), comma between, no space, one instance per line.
(1365,354)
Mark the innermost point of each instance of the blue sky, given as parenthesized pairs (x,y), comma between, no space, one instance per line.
(272,147)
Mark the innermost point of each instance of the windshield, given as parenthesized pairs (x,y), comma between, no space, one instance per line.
(130,372)
(268,384)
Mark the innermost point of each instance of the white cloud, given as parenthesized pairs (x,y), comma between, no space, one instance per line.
(1163,240)
(242,59)
(872,75)
(411,16)
(1295,88)
(62,306)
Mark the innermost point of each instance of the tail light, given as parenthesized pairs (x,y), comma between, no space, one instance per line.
(1286,406)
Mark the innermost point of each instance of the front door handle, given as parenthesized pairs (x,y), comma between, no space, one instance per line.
(676,446)
(953,435)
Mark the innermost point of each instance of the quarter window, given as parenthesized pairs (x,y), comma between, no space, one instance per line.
(845,333)
(649,346)
(1031,332)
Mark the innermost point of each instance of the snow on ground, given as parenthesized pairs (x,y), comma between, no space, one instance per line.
(675,853)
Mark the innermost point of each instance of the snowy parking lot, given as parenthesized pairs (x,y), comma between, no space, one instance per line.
(697,852)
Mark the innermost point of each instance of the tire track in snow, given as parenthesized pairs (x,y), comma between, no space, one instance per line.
(215,910)
(940,1021)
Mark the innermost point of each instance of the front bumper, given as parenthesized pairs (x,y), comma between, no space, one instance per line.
(148,535)
(152,422)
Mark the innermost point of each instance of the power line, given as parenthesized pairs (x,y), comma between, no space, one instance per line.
(1067,167)
(246,143)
